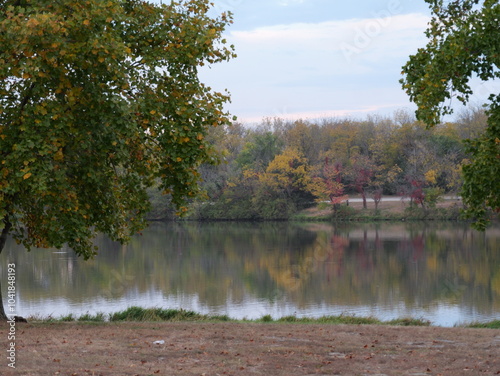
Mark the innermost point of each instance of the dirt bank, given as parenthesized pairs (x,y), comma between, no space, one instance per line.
(196,348)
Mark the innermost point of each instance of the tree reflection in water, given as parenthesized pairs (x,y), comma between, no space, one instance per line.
(404,268)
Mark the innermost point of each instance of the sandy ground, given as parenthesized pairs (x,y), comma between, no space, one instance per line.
(200,348)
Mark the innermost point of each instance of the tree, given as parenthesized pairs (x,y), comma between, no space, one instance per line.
(287,178)
(304,137)
(376,195)
(415,191)
(98,101)
(259,151)
(329,185)
(361,174)
(463,44)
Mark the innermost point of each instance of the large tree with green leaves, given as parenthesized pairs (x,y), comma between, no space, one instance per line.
(100,100)
(464,44)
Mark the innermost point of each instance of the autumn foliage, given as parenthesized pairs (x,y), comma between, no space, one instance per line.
(463,47)
(278,167)
(99,101)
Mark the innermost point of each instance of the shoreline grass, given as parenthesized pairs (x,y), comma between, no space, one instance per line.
(139,314)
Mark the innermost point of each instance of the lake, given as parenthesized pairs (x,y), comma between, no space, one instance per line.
(442,272)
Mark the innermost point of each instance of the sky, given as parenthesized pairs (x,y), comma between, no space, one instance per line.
(308,59)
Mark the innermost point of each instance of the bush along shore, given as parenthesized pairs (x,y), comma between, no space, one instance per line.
(393,208)
(390,208)
(139,314)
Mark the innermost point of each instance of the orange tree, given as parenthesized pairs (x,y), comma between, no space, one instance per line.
(100,100)
(463,43)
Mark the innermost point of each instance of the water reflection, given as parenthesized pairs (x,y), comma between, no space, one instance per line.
(443,272)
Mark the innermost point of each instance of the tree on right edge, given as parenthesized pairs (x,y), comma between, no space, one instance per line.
(464,43)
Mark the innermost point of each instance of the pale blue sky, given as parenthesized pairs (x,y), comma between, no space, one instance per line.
(319,58)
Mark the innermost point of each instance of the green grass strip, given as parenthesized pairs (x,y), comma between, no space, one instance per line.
(140,314)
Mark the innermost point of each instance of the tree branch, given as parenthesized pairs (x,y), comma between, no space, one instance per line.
(26,98)
(5,232)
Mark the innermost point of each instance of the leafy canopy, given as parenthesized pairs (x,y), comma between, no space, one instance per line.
(464,43)
(100,100)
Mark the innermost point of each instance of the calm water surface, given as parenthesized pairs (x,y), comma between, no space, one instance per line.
(443,272)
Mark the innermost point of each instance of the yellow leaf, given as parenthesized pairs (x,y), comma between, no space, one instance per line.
(26,176)
(32,22)
(86,22)
(152,112)
(59,156)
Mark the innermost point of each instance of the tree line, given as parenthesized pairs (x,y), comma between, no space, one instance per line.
(274,169)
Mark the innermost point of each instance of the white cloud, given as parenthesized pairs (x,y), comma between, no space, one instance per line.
(361,34)
(334,67)
(283,113)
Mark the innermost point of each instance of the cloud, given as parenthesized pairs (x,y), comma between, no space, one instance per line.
(339,66)
(285,54)
(318,115)
(359,34)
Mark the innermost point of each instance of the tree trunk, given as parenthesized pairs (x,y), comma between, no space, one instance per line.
(3,316)
(5,232)
(3,240)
